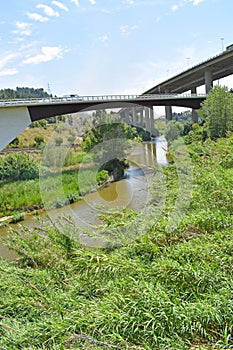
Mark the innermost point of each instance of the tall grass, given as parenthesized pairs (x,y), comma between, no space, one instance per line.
(26,195)
(163,291)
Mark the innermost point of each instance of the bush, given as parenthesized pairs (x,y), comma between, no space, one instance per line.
(174,130)
(102,177)
(18,166)
(39,140)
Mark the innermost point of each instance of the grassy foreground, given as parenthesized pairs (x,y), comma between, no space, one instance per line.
(163,290)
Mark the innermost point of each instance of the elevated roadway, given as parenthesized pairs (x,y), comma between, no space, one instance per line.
(204,73)
(17,115)
(48,107)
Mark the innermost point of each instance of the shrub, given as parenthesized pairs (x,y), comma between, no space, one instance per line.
(102,177)
(18,166)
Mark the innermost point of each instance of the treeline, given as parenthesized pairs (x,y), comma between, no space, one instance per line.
(23,92)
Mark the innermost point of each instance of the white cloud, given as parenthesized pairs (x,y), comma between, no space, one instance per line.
(174,8)
(37,17)
(128,2)
(4,62)
(197,2)
(92,2)
(48,53)
(60,5)
(22,25)
(127,30)
(76,2)
(182,3)
(9,71)
(49,11)
(8,58)
(22,32)
(104,38)
(23,28)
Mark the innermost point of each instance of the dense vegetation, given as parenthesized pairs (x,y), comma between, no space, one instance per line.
(162,291)
(19,172)
(149,287)
(23,92)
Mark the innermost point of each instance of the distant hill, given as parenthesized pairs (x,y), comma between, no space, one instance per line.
(23,92)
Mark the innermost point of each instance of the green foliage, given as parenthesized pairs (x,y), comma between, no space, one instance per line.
(17,217)
(23,92)
(18,166)
(58,140)
(195,134)
(115,168)
(14,143)
(102,176)
(164,290)
(217,111)
(39,123)
(174,130)
(39,140)
(143,134)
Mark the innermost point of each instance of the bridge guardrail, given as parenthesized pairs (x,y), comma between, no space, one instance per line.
(103,98)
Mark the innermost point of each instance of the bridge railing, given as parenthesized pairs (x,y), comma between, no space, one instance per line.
(97,99)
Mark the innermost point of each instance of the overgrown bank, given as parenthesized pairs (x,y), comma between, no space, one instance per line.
(157,283)
(21,173)
(164,290)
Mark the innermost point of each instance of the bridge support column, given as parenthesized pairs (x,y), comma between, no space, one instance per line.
(208,80)
(127,116)
(134,116)
(168,113)
(152,121)
(141,118)
(168,109)
(147,116)
(194,113)
(13,120)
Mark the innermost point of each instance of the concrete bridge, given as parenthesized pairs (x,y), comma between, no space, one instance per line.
(17,115)
(204,73)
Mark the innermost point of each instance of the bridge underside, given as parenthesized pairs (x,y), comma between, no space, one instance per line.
(204,73)
(45,111)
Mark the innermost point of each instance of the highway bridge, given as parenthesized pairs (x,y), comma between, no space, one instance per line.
(204,73)
(16,115)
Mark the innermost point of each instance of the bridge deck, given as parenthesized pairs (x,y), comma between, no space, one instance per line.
(98,99)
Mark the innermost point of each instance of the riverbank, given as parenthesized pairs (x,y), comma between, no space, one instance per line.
(163,290)
(25,197)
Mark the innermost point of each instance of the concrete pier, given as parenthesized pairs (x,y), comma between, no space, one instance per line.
(208,80)
(168,113)
(194,113)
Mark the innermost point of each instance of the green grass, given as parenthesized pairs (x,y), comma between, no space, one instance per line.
(163,290)
(58,190)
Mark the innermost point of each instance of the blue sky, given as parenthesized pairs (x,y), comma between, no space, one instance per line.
(108,46)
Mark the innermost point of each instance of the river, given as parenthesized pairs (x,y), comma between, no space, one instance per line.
(131,192)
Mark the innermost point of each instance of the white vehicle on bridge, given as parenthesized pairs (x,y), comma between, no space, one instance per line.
(72,97)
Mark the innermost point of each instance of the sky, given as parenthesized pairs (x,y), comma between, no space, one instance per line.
(95,47)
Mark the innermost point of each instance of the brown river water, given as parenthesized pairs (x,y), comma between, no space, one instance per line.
(131,192)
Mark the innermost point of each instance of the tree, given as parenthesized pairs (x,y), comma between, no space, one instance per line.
(217,111)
